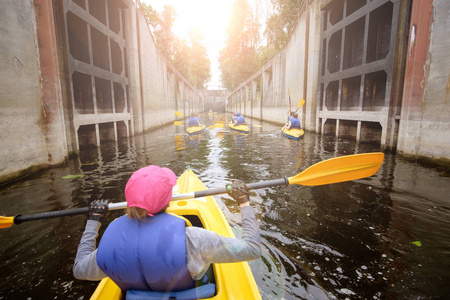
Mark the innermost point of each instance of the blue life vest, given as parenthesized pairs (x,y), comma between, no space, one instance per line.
(240,120)
(295,123)
(194,121)
(147,255)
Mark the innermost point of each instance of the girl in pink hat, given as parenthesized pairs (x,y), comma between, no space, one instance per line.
(150,250)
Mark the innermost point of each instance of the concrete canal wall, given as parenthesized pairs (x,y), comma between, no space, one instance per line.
(79,73)
(31,120)
(372,71)
(160,89)
(425,119)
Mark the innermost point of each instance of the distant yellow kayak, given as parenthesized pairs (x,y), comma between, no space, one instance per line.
(195,129)
(241,128)
(232,280)
(293,133)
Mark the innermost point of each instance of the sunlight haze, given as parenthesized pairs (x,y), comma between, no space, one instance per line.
(210,17)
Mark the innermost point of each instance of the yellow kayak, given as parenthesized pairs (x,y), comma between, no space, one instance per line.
(240,128)
(233,280)
(293,133)
(195,129)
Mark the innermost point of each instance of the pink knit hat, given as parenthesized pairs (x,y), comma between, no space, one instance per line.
(150,188)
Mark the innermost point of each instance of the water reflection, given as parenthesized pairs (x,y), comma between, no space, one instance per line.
(179,142)
(350,240)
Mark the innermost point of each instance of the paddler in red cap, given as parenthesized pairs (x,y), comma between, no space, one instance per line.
(151,250)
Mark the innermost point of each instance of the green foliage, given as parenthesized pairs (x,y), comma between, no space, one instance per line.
(417,243)
(164,35)
(151,15)
(190,57)
(240,59)
(199,63)
(243,55)
(280,24)
(72,176)
(181,56)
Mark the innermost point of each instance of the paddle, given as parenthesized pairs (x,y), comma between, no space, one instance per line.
(329,171)
(178,123)
(289,92)
(300,104)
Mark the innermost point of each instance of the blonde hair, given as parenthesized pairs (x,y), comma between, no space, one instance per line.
(140,213)
(137,213)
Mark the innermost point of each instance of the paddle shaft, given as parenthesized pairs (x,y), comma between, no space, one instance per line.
(18,219)
(223,190)
(289,92)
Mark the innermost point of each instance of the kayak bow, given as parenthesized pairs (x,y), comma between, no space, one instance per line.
(195,129)
(293,133)
(240,128)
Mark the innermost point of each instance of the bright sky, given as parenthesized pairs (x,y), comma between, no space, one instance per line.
(210,17)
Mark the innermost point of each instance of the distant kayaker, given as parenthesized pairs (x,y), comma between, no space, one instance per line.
(194,120)
(132,243)
(239,119)
(293,122)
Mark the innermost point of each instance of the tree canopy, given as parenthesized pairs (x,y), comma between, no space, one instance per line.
(239,59)
(244,52)
(281,22)
(190,56)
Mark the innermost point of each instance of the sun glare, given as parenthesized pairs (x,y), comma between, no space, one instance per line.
(210,17)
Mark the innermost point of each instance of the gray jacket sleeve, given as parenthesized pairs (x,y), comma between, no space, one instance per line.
(205,247)
(85,266)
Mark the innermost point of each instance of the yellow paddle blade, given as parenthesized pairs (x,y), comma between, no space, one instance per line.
(178,114)
(177,123)
(257,126)
(6,222)
(300,104)
(340,169)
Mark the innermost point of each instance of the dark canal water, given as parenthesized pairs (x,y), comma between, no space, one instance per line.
(353,240)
